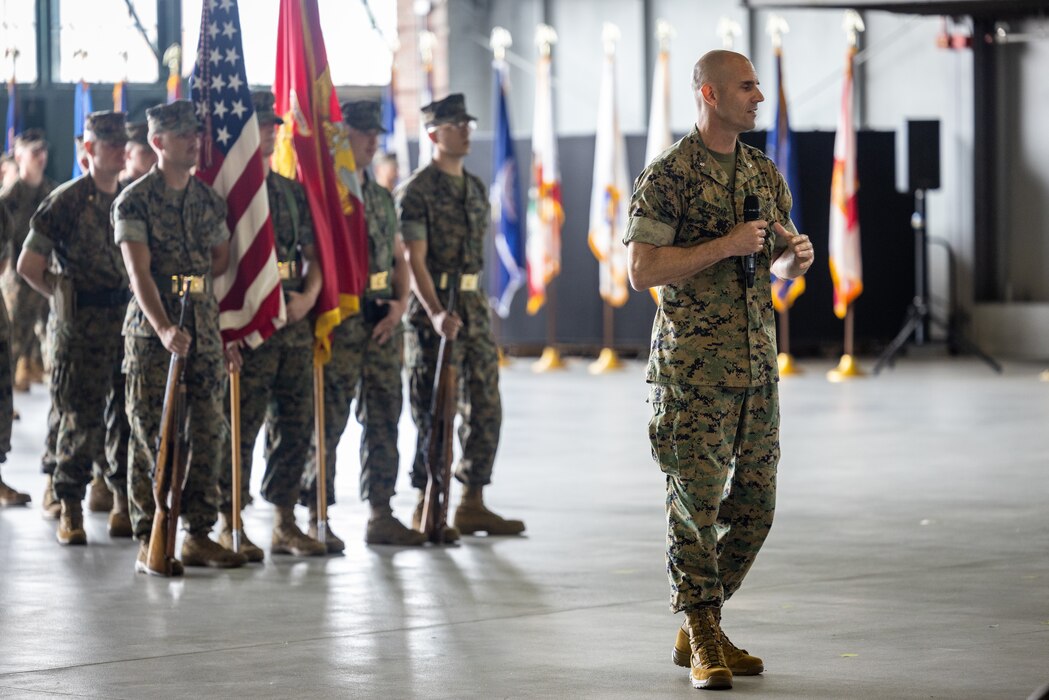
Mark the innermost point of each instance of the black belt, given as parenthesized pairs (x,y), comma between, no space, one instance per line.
(107,298)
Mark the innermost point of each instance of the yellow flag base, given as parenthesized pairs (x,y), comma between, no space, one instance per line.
(787,366)
(607,361)
(549,361)
(847,369)
(504,361)
(1044,376)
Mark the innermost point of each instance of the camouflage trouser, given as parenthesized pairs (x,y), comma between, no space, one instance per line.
(715,526)
(480,407)
(361,368)
(29,309)
(88,395)
(276,388)
(7,402)
(146,366)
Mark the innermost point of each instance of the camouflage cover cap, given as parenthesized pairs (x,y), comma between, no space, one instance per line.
(450,110)
(363,115)
(179,117)
(107,126)
(32,138)
(138,132)
(263,101)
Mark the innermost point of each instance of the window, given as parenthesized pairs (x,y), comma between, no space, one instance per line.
(99,41)
(357,54)
(18,32)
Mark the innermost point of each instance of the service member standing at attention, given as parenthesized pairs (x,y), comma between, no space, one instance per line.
(444,215)
(90,295)
(367,350)
(27,309)
(139,157)
(276,378)
(172,232)
(8,495)
(712,371)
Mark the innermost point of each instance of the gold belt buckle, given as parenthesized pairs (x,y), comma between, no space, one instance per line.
(468,282)
(192,284)
(379,281)
(287,270)
(442,282)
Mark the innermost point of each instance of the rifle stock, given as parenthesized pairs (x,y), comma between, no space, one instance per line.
(173,454)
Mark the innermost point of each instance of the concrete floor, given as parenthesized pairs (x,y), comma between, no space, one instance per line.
(910,559)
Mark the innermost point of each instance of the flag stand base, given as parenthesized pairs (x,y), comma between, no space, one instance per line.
(1044,376)
(549,361)
(787,366)
(504,361)
(607,361)
(847,369)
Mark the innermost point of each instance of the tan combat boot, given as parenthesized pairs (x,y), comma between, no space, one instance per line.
(739,661)
(22,380)
(472,516)
(51,505)
(99,497)
(10,497)
(200,550)
(451,533)
(119,519)
(142,566)
(249,549)
(331,540)
(709,668)
(383,528)
(289,539)
(71,523)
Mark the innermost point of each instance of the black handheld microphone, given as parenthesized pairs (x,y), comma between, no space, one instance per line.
(751,212)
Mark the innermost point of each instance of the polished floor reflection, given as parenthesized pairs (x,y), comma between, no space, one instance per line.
(910,559)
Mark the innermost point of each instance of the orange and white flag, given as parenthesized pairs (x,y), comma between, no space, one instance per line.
(846,268)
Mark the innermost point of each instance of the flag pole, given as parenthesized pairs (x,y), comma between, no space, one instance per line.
(550,360)
(234,428)
(847,367)
(322,455)
(608,360)
(785,360)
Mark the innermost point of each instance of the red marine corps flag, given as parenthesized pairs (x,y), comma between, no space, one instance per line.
(312,145)
(251,302)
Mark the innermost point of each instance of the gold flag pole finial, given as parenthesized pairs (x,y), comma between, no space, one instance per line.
(545,38)
(610,35)
(173,59)
(776,27)
(664,33)
(427,44)
(853,25)
(499,42)
(728,30)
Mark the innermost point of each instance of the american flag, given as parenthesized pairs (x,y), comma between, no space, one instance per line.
(251,302)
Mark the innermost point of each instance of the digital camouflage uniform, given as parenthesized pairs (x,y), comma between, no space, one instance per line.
(433,206)
(27,307)
(73,227)
(276,378)
(712,369)
(180,228)
(7,405)
(361,368)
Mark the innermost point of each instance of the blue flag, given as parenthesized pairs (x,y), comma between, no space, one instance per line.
(14,116)
(81,108)
(779,148)
(506,203)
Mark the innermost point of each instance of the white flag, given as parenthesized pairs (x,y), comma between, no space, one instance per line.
(659,138)
(611,188)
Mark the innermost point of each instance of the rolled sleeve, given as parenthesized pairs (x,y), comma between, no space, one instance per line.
(649,231)
(39,243)
(411,213)
(130,230)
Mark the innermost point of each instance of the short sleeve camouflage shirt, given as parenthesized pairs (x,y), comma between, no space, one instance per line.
(432,208)
(710,329)
(73,223)
(180,228)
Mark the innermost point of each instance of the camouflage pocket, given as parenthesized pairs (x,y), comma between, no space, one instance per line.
(662,430)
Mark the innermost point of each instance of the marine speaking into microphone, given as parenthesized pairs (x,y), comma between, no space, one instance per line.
(751,212)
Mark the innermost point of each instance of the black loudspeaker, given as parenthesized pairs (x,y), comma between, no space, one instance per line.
(918,155)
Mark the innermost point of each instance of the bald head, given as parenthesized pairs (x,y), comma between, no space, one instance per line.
(715,67)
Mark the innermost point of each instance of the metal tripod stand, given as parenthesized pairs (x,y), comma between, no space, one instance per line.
(919,314)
